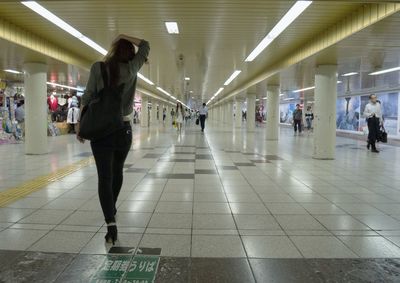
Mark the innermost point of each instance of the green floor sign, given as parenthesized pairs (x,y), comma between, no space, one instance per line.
(127,269)
(142,269)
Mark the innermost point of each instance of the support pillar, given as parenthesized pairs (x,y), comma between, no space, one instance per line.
(144,114)
(325,112)
(251,112)
(35,108)
(272,127)
(238,114)
(230,114)
(153,115)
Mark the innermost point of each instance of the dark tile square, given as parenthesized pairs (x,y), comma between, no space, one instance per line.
(82,269)
(228,168)
(283,270)
(232,270)
(232,151)
(182,152)
(202,147)
(156,176)
(205,171)
(137,170)
(204,156)
(147,148)
(273,157)
(152,155)
(260,161)
(38,267)
(356,270)
(244,164)
(173,270)
(148,251)
(121,250)
(183,160)
(180,176)
(249,153)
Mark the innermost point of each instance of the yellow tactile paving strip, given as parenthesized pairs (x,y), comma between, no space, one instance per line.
(13,194)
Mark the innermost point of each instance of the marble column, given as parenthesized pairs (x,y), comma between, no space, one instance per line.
(325,112)
(35,108)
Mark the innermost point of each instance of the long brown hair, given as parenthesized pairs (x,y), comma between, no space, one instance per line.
(121,51)
(179,105)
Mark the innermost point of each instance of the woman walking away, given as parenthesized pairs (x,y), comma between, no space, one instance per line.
(373,113)
(309,118)
(119,71)
(180,114)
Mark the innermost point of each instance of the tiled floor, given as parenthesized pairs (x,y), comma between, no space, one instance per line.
(222,195)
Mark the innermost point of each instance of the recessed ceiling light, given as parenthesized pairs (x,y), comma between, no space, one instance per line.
(187,79)
(350,74)
(172,27)
(265,98)
(191,91)
(286,20)
(385,71)
(282,94)
(34,6)
(140,76)
(232,77)
(12,71)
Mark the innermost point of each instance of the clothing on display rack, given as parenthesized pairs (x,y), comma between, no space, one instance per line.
(52,101)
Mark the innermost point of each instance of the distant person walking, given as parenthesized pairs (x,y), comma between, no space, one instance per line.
(297,119)
(119,71)
(373,113)
(203,112)
(180,116)
(309,118)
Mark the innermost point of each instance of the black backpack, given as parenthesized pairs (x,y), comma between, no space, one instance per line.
(103,115)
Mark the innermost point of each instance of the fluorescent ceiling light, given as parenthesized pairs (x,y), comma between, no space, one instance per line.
(385,71)
(13,71)
(172,27)
(286,20)
(350,74)
(289,98)
(219,91)
(282,94)
(339,82)
(164,91)
(64,86)
(265,98)
(34,6)
(187,79)
(140,76)
(232,77)
(304,89)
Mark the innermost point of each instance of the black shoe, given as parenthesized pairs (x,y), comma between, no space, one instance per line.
(375,150)
(112,234)
(368,146)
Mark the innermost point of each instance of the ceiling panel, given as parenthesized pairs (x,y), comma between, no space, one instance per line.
(215,36)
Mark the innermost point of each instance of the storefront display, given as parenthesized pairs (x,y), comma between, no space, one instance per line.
(350,110)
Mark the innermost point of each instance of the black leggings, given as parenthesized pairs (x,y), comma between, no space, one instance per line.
(110,154)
